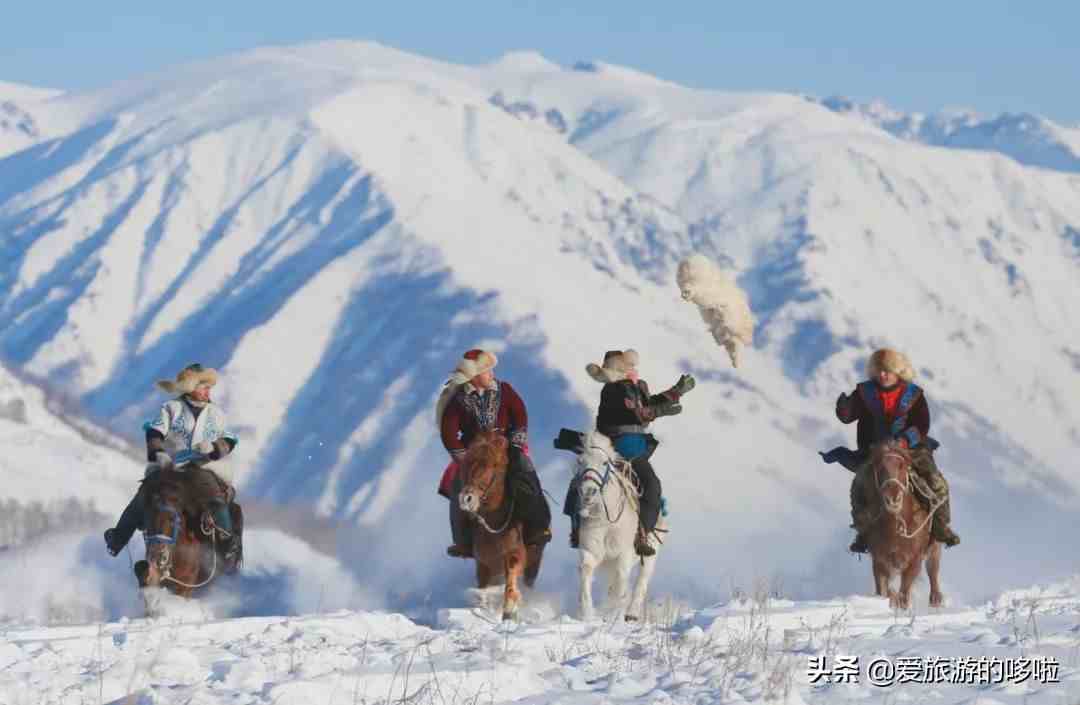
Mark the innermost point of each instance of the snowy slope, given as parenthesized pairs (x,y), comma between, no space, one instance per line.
(1029,139)
(46,459)
(20,110)
(750,650)
(332,224)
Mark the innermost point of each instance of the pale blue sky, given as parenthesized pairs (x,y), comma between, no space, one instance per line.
(989,55)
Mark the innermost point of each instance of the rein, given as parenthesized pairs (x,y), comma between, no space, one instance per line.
(208,528)
(914,484)
(601,482)
(509,514)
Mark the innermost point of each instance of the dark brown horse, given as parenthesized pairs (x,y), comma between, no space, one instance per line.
(181,540)
(498,544)
(899,537)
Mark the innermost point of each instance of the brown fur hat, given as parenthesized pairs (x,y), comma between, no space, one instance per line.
(189,378)
(890,361)
(616,364)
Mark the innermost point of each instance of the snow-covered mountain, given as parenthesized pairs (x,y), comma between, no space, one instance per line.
(333,224)
(20,107)
(49,457)
(1029,139)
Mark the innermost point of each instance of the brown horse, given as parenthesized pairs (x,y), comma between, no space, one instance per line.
(498,544)
(181,541)
(899,537)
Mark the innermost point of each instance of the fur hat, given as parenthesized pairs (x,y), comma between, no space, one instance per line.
(476,362)
(616,364)
(188,379)
(890,361)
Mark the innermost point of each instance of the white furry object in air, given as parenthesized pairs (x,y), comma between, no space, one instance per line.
(724,307)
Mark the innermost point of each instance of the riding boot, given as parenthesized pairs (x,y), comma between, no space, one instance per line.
(131,519)
(570,509)
(530,505)
(859,519)
(940,529)
(460,529)
(234,548)
(641,543)
(922,461)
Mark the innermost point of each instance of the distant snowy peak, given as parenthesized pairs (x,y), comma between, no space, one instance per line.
(1029,139)
(19,127)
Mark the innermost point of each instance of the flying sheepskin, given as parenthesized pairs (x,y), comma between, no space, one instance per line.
(723,305)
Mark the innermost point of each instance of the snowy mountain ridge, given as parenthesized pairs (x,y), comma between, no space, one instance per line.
(332,224)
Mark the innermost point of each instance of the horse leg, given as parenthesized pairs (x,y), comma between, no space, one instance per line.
(637,602)
(515,565)
(586,567)
(881,581)
(619,585)
(534,555)
(933,569)
(483,573)
(907,579)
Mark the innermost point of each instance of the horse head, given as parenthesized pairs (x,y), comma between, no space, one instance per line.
(595,466)
(892,464)
(484,473)
(165,524)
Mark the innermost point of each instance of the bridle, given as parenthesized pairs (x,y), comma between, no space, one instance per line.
(483,498)
(169,541)
(913,484)
(601,480)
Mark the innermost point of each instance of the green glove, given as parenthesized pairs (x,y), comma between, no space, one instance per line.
(685,384)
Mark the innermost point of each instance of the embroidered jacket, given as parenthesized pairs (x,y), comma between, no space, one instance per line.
(909,417)
(470,412)
(179,427)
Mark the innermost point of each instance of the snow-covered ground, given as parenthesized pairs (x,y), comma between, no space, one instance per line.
(754,648)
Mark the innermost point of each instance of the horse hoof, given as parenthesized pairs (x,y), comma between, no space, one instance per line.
(142,572)
(936,599)
(630,618)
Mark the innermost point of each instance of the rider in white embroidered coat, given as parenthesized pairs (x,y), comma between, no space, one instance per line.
(189,429)
(184,433)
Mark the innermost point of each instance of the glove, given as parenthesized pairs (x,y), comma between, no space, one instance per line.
(685,384)
(667,408)
(843,405)
(163,460)
(204,447)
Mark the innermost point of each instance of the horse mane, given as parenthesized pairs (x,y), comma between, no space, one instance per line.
(487,449)
(177,482)
(879,450)
(595,439)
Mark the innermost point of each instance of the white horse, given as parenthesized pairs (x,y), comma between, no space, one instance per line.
(608,505)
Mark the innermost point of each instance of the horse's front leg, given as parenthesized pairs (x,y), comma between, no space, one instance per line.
(514,562)
(619,590)
(881,580)
(586,568)
(641,588)
(907,579)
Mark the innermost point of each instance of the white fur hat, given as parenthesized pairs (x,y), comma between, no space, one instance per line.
(476,362)
(890,361)
(616,364)
(188,379)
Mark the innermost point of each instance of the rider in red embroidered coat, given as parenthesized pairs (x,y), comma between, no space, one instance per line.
(473,401)
(889,406)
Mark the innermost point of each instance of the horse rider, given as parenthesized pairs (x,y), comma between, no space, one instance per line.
(473,400)
(888,406)
(190,423)
(626,410)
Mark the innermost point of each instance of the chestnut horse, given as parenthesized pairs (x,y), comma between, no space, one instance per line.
(181,540)
(498,544)
(899,537)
